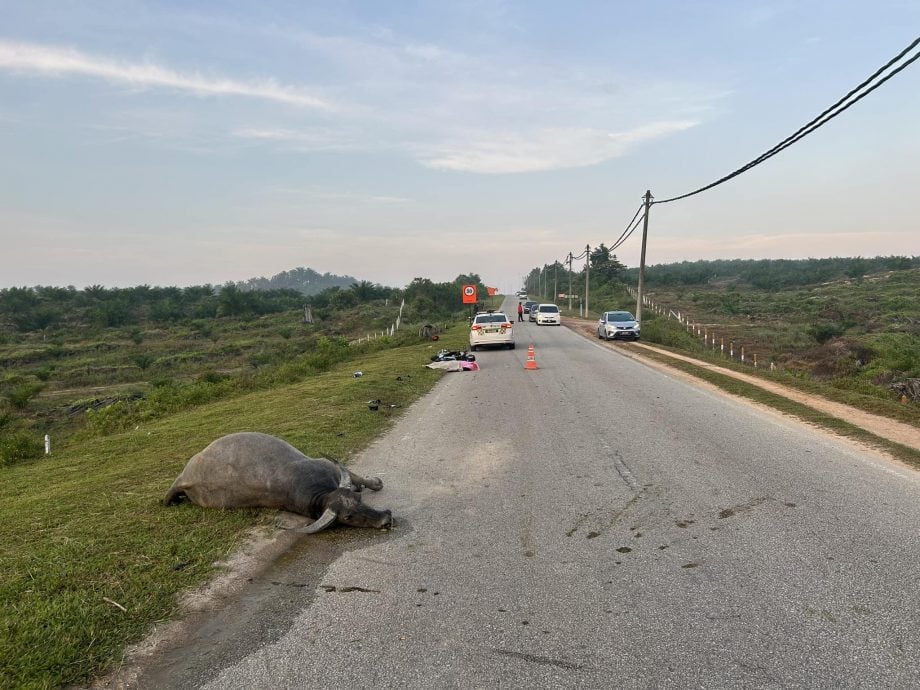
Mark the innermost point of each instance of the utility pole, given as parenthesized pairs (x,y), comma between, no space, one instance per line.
(555,280)
(639,293)
(570,281)
(587,275)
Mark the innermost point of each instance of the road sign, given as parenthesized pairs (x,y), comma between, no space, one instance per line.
(469,294)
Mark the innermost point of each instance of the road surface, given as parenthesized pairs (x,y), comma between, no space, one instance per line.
(594,523)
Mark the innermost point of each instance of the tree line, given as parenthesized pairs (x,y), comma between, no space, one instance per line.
(765,274)
(45,308)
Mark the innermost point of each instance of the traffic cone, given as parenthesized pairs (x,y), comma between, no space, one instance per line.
(531,360)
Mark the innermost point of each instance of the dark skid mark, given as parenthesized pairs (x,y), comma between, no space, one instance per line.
(333,588)
(545,660)
(742,507)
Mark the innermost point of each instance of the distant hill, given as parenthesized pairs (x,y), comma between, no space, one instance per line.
(304,280)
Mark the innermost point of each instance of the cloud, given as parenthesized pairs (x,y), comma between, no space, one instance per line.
(56,61)
(309,139)
(542,149)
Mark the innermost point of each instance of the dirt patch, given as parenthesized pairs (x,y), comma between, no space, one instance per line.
(258,553)
(890,429)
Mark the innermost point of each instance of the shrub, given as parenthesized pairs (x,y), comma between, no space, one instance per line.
(45,372)
(670,333)
(108,419)
(18,446)
(822,332)
(19,395)
(328,352)
(143,360)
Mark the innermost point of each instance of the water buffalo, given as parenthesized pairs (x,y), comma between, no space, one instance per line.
(249,469)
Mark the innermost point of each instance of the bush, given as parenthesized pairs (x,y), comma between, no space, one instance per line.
(19,446)
(19,395)
(897,352)
(822,332)
(109,419)
(670,333)
(328,351)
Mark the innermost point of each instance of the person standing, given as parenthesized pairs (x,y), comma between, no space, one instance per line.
(520,311)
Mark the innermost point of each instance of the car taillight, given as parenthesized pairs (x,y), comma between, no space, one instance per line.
(506,325)
(476,327)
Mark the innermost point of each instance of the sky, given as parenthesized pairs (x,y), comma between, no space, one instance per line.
(184,143)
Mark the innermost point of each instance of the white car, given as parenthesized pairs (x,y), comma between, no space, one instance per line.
(491,328)
(548,314)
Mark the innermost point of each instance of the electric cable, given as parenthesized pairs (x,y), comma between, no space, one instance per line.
(826,116)
(628,232)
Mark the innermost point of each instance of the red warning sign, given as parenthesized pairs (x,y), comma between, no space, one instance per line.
(469,294)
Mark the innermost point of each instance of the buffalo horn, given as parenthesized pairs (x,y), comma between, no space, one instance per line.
(322,522)
(328,516)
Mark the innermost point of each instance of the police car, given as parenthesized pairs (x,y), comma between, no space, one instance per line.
(491,328)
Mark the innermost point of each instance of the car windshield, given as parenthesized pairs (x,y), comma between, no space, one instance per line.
(549,308)
(618,316)
(491,318)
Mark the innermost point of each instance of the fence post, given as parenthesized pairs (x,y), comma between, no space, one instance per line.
(731,349)
(742,354)
(47,444)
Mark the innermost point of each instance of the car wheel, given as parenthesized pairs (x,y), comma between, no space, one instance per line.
(473,348)
(511,346)
(599,336)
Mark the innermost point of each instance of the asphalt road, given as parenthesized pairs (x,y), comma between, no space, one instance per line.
(594,523)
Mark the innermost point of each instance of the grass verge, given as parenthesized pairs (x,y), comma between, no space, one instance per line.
(778,402)
(84,530)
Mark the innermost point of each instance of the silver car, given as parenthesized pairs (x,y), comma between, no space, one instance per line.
(618,324)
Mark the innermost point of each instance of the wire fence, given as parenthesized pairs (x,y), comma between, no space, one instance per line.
(391,331)
(717,338)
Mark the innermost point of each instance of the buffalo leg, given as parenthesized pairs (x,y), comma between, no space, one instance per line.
(359,482)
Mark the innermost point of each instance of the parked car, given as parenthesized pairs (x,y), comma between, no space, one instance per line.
(528,306)
(615,325)
(491,328)
(548,314)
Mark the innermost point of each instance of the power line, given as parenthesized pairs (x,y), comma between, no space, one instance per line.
(826,116)
(629,231)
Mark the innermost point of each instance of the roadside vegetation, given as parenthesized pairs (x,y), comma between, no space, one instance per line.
(90,558)
(98,361)
(847,329)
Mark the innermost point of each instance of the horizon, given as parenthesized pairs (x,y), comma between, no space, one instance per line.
(358,279)
(194,143)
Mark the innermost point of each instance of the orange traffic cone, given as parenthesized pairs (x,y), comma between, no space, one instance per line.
(531,360)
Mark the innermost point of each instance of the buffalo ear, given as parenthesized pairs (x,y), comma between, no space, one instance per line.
(320,523)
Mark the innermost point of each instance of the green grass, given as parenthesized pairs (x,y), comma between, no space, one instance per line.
(86,524)
(849,390)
